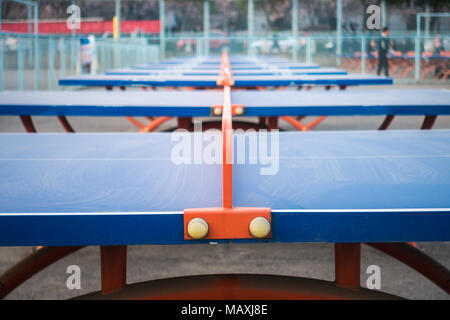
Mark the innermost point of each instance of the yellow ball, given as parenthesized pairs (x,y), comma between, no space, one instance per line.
(259,227)
(197,228)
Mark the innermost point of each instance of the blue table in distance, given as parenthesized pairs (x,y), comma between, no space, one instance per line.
(252,72)
(211,81)
(241,67)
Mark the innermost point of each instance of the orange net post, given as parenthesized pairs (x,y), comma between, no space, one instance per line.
(227,222)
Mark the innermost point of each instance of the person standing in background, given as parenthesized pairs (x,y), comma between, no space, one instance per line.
(383,46)
(438,45)
(275,44)
(86,55)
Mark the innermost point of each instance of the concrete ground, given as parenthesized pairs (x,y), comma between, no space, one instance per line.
(314,260)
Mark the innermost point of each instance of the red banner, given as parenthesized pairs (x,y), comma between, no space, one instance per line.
(87,27)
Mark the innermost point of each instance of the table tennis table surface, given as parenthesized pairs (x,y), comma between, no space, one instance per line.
(211,81)
(199,103)
(213,72)
(234,59)
(100,189)
(241,67)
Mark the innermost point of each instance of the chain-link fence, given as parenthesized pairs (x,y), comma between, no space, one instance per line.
(30,62)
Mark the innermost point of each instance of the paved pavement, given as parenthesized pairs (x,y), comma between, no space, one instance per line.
(313,260)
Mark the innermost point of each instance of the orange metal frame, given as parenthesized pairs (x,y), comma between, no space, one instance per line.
(347,273)
(152,126)
(226,222)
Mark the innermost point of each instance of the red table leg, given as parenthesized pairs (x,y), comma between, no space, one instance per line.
(65,124)
(113,268)
(428,122)
(387,122)
(314,123)
(136,122)
(293,122)
(347,259)
(272,123)
(28,124)
(184,123)
(155,124)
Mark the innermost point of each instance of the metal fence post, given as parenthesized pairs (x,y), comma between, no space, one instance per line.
(78,55)
(162,29)
(36,48)
(29,51)
(363,55)
(62,58)
(108,57)
(199,47)
(19,64)
(295,30)
(137,53)
(250,25)
(36,63)
(206,25)
(1,62)
(308,51)
(71,56)
(51,63)
(338,32)
(417,49)
(417,59)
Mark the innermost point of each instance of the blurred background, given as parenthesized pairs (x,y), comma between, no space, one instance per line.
(37,42)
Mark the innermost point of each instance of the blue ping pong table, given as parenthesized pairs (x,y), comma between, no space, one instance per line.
(383,188)
(251,72)
(239,63)
(426,102)
(239,67)
(212,81)
(93,189)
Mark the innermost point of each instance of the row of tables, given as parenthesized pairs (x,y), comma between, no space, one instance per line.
(245,74)
(117,189)
(426,102)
